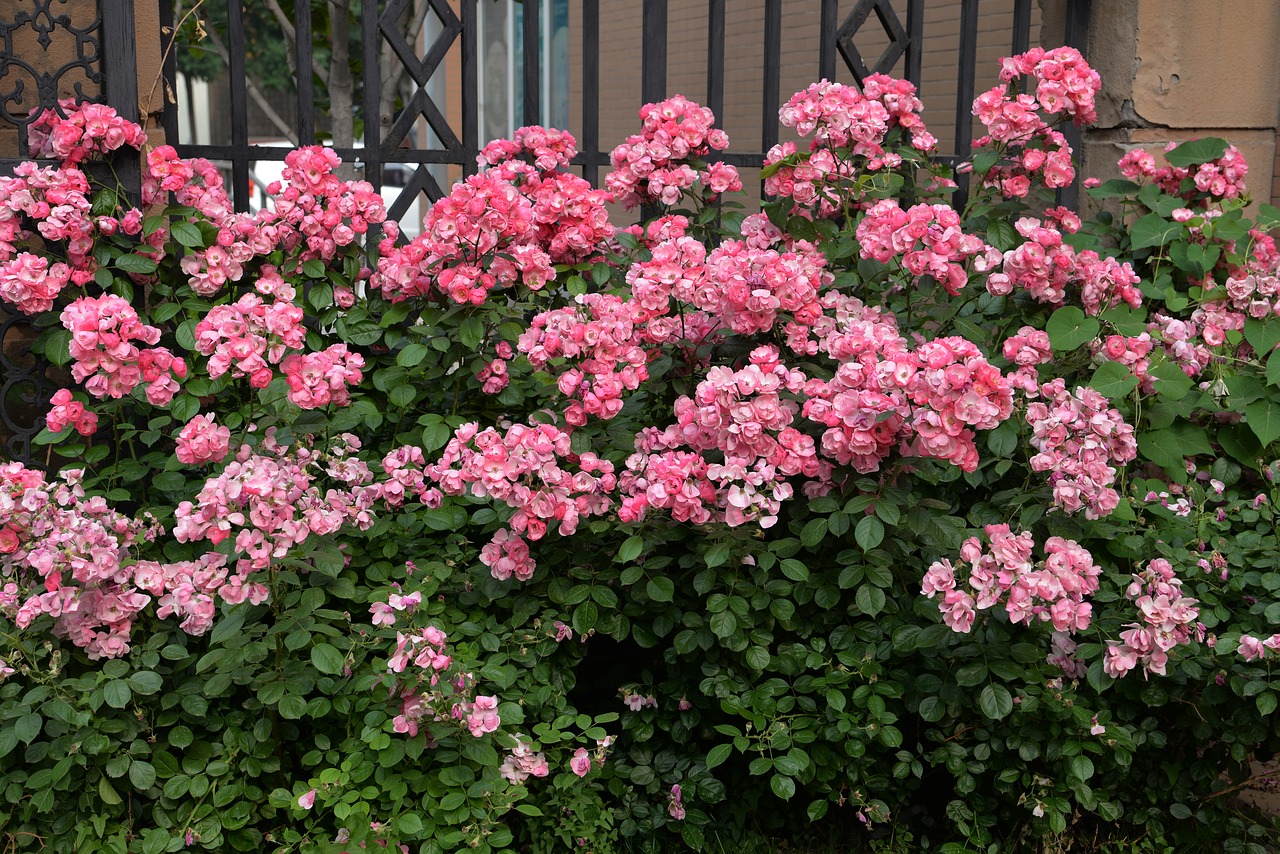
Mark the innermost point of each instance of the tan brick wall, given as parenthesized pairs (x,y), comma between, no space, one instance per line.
(1178,69)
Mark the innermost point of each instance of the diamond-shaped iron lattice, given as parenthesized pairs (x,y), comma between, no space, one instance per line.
(898,39)
(420,69)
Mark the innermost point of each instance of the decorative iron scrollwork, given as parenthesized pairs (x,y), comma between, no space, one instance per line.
(898,39)
(51,25)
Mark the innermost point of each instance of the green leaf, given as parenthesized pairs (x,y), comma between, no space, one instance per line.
(1267,703)
(1169,446)
(870,599)
(187,234)
(630,549)
(409,823)
(717,555)
(783,787)
(1114,187)
(145,682)
(718,754)
(1001,235)
(402,395)
(813,532)
(313,269)
(1171,381)
(412,355)
(326,658)
(1154,230)
(135,264)
(471,333)
(661,589)
(1197,151)
(869,533)
(1262,335)
(28,727)
(1263,417)
(1113,380)
(794,569)
(995,702)
(142,774)
(292,706)
(117,693)
(1068,328)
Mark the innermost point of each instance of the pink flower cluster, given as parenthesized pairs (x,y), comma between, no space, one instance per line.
(1065,84)
(1052,591)
(657,164)
(88,129)
(1132,352)
(1080,440)
(319,379)
(746,288)
(863,406)
(481,217)
(1046,267)
(1027,348)
(522,763)
(1179,341)
(531,469)
(67,557)
(1221,178)
(202,441)
(1168,620)
(929,240)
(599,337)
(954,389)
(742,415)
(53,204)
(270,501)
(248,336)
(108,362)
(548,148)
(840,117)
(68,411)
(1253,649)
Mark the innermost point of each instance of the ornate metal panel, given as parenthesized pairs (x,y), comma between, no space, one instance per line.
(69,53)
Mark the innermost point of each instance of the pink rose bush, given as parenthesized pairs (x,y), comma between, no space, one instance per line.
(399,540)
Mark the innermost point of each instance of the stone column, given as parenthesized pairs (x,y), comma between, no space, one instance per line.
(1174,70)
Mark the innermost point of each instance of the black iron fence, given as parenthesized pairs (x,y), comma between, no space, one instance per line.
(98,51)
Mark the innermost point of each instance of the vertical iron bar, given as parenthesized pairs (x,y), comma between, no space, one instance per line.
(470,97)
(302,60)
(591,89)
(169,117)
(964,91)
(715,58)
(653,67)
(239,107)
(120,84)
(371,37)
(915,45)
(772,73)
(1021,26)
(827,26)
(1077,36)
(532,63)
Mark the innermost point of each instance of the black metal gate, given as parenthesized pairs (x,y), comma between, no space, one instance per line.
(105,56)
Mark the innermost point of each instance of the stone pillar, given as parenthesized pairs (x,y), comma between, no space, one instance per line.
(1174,70)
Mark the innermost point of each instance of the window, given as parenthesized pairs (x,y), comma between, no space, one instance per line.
(501,60)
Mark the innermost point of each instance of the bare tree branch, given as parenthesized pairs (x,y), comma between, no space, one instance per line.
(291,36)
(342,116)
(393,71)
(254,91)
